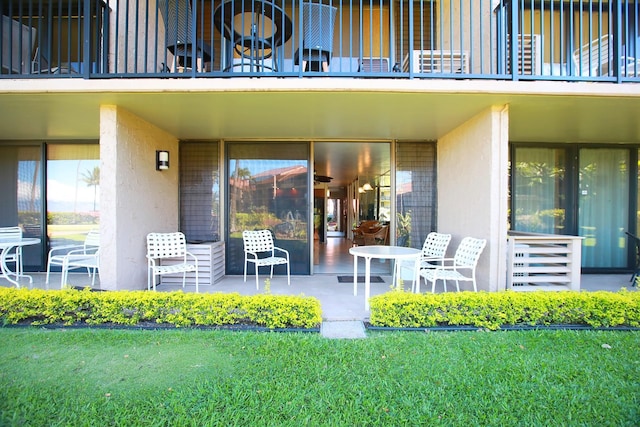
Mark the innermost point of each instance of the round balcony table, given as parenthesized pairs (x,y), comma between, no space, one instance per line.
(395,253)
(257,36)
(6,247)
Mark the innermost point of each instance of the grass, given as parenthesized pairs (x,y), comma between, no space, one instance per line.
(91,377)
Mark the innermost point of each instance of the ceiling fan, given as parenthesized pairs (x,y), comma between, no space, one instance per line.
(321,178)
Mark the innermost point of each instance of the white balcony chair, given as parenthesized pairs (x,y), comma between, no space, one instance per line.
(462,267)
(172,249)
(596,59)
(10,234)
(259,249)
(433,253)
(592,59)
(72,257)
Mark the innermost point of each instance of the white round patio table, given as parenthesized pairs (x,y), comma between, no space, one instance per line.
(395,253)
(6,246)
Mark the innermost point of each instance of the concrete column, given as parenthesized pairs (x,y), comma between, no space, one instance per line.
(135,198)
(473,190)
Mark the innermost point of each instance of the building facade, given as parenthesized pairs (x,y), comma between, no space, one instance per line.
(302,117)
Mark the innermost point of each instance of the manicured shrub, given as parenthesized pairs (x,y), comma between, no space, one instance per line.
(493,310)
(73,307)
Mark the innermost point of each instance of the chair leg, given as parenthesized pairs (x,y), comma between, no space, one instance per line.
(288,275)
(257,285)
(63,274)
(19,268)
(46,281)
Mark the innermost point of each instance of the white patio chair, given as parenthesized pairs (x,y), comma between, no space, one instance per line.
(9,234)
(259,249)
(72,257)
(170,248)
(434,250)
(462,267)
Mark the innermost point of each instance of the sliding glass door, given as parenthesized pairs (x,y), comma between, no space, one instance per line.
(578,191)
(268,188)
(539,192)
(603,206)
(21,189)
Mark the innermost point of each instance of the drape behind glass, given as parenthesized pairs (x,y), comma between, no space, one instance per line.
(604,207)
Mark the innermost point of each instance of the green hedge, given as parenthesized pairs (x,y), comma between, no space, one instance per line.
(492,310)
(73,307)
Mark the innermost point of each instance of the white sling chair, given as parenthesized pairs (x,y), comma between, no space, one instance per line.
(72,257)
(259,249)
(434,249)
(462,267)
(170,248)
(15,256)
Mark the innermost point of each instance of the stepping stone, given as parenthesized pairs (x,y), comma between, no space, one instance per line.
(343,329)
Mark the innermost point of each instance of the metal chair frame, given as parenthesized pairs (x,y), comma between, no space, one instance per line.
(169,246)
(71,257)
(465,260)
(260,250)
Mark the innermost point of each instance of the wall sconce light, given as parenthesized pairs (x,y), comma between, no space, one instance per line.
(162,160)
(367,187)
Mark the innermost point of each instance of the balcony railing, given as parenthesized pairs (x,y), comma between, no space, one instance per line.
(571,40)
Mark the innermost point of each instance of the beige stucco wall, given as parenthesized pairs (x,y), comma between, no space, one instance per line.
(135,198)
(472,190)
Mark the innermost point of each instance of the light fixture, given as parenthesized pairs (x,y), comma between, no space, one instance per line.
(367,187)
(162,160)
(360,190)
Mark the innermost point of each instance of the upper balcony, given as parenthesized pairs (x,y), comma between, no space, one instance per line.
(568,40)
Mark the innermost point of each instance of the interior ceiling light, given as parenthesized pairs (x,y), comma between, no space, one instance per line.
(367,187)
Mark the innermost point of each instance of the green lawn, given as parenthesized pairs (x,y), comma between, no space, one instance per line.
(98,377)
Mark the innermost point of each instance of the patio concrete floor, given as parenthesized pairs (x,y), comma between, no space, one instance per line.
(337,299)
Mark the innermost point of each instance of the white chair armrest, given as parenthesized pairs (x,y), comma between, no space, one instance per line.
(189,254)
(65,248)
(446,261)
(286,252)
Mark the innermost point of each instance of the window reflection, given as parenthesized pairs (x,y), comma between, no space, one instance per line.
(20,185)
(539,190)
(73,192)
(268,189)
